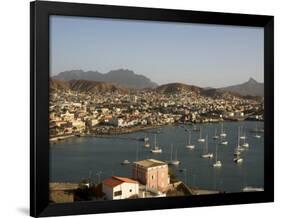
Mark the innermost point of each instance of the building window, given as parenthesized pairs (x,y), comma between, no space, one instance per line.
(118,193)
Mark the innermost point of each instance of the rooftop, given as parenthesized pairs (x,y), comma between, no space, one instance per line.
(150,163)
(124,179)
(116,180)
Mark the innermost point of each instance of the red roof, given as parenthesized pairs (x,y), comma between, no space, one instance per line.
(111,182)
(116,180)
(124,179)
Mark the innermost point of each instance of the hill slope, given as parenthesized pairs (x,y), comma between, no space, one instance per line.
(85,86)
(174,88)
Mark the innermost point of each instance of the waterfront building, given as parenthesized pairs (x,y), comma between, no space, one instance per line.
(152,173)
(116,188)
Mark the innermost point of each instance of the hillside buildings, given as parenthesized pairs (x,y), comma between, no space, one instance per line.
(78,113)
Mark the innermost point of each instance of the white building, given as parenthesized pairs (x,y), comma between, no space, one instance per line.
(92,122)
(79,124)
(67,116)
(116,188)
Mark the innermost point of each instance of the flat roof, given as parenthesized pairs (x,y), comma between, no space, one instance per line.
(150,163)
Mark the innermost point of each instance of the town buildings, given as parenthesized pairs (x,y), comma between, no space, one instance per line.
(77,113)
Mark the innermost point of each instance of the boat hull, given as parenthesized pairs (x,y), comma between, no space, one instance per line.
(207,156)
(190,146)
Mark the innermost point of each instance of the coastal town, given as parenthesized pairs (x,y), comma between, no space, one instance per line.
(111,113)
(75,113)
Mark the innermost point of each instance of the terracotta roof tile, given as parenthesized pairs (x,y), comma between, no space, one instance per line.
(124,179)
(116,180)
(112,182)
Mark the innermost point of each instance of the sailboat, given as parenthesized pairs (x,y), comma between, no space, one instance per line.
(237,158)
(200,138)
(224,142)
(146,142)
(216,135)
(125,162)
(217,163)
(156,148)
(207,154)
(245,144)
(146,139)
(256,130)
(239,147)
(175,161)
(146,145)
(188,144)
(243,136)
(223,134)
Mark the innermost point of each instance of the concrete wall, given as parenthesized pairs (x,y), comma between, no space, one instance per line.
(154,177)
(128,190)
(61,196)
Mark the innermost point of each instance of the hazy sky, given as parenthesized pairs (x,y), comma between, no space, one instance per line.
(197,54)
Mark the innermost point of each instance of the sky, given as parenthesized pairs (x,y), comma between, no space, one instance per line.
(205,55)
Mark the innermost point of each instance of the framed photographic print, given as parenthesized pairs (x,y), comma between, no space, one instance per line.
(143,109)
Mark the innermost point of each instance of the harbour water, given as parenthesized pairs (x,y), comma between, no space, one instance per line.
(78,158)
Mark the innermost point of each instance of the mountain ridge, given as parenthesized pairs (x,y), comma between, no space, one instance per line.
(86,86)
(123,77)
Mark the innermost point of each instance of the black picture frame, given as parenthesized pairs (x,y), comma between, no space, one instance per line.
(39,95)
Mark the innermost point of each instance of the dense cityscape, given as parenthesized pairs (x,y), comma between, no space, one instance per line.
(79,113)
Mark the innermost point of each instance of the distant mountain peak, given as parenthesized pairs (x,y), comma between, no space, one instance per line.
(121,77)
(252,80)
(251,87)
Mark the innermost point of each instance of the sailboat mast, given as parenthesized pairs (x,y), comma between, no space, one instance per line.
(189,138)
(155,141)
(207,143)
(171,152)
(238,141)
(216,152)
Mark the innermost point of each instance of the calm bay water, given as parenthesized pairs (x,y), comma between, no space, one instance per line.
(74,159)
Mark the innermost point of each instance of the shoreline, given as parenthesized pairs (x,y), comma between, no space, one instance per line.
(122,131)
